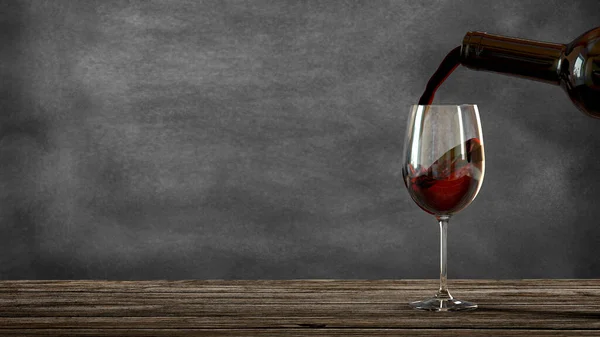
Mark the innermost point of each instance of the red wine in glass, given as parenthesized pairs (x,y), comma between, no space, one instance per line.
(450,183)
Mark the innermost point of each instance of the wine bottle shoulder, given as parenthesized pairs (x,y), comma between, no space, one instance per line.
(580,72)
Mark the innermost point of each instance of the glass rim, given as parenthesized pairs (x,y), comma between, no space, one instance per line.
(443,105)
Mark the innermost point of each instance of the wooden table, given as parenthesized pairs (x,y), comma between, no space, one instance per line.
(295,308)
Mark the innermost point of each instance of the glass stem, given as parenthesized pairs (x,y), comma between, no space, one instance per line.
(443,291)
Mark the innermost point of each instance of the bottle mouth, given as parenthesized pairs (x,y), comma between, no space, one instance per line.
(471,48)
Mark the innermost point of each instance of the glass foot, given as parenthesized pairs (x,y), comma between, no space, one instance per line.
(443,304)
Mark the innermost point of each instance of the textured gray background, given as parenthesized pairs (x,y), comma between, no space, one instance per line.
(263,139)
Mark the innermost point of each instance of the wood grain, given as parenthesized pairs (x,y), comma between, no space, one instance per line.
(295,307)
(295,332)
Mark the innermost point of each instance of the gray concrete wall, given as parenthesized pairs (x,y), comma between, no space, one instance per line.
(263,139)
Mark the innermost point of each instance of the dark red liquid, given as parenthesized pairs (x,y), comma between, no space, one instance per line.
(450,183)
(450,62)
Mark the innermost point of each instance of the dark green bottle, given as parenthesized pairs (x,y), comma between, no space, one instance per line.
(574,66)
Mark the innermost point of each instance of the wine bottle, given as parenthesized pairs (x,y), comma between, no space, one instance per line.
(574,66)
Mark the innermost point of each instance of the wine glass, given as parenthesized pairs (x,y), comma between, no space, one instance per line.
(444,164)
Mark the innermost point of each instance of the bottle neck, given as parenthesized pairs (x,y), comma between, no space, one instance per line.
(538,61)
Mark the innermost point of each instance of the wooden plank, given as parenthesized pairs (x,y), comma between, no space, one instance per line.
(294,304)
(292,307)
(294,332)
(531,318)
(540,297)
(269,286)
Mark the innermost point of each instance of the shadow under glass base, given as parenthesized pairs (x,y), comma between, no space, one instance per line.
(443,304)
